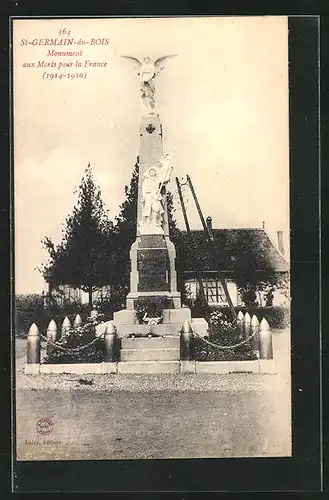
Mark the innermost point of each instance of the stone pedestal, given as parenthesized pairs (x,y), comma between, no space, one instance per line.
(153,274)
(126,324)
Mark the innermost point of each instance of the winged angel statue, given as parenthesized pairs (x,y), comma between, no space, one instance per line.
(147,71)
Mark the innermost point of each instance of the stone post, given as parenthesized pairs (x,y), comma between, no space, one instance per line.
(52,333)
(77,321)
(239,323)
(33,345)
(185,342)
(247,323)
(66,325)
(110,342)
(254,327)
(265,340)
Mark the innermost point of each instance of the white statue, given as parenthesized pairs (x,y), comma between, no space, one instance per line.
(148,70)
(152,195)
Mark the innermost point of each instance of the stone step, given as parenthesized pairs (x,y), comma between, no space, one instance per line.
(176,315)
(162,329)
(151,343)
(150,354)
(148,367)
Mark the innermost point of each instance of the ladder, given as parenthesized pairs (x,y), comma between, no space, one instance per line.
(210,241)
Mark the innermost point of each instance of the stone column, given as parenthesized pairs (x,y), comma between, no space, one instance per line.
(153,272)
(150,152)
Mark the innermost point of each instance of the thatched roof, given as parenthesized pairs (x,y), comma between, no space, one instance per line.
(236,250)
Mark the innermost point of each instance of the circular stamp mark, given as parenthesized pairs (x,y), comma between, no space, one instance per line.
(44,426)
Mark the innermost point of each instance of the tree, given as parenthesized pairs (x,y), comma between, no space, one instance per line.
(125,234)
(260,288)
(83,259)
(255,273)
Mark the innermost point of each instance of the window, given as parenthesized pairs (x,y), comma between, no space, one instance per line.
(214,291)
(212,288)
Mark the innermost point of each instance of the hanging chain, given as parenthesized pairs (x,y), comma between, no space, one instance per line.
(226,347)
(72,350)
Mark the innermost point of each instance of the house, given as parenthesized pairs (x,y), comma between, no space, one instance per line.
(66,294)
(249,252)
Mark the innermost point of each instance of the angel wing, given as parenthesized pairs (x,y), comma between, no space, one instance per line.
(136,63)
(158,64)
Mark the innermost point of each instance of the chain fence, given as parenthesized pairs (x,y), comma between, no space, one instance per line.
(225,347)
(72,350)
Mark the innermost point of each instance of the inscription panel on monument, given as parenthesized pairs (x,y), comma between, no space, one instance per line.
(153,270)
(152,241)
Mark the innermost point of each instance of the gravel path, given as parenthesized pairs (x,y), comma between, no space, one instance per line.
(159,382)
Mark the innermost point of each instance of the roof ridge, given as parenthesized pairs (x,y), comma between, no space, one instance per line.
(259,238)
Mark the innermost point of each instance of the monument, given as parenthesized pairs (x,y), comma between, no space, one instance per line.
(153,278)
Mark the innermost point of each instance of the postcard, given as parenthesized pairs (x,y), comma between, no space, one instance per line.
(152,259)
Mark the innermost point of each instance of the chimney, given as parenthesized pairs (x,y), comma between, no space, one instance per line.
(280,242)
(209,226)
(209,223)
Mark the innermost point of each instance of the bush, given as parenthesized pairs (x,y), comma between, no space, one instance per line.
(75,338)
(29,309)
(278,317)
(224,333)
(116,302)
(204,352)
(151,309)
(105,308)
(248,296)
(199,307)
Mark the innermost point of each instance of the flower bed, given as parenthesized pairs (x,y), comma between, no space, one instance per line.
(203,352)
(77,338)
(278,317)
(145,311)
(224,333)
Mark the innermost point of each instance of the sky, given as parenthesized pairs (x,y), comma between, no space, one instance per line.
(223,104)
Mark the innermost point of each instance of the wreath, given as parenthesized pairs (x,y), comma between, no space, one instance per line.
(149,313)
